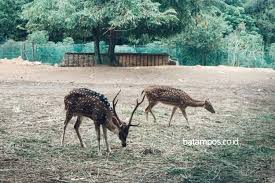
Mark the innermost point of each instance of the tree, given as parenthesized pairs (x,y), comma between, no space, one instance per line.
(263,11)
(65,18)
(68,40)
(130,15)
(47,15)
(185,11)
(39,37)
(101,17)
(245,48)
(11,24)
(205,36)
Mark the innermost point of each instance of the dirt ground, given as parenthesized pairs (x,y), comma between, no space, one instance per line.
(32,115)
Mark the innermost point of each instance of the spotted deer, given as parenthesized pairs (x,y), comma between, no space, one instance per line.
(83,102)
(174,97)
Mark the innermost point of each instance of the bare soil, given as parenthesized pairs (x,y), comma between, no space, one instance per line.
(32,115)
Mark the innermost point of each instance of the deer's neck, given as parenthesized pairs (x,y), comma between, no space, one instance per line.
(196,103)
(113,125)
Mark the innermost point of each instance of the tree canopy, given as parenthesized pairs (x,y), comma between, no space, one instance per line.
(102,19)
(204,26)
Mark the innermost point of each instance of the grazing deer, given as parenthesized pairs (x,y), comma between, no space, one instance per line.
(175,97)
(84,102)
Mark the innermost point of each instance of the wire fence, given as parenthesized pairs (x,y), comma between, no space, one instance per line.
(53,53)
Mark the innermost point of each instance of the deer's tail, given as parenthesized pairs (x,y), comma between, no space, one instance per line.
(66,102)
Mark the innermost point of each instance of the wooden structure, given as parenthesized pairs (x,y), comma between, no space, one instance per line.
(123,59)
(141,59)
(79,60)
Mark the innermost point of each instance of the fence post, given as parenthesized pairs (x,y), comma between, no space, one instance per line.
(23,52)
(32,51)
(1,52)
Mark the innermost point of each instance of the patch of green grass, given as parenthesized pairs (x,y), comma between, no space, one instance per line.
(267,117)
(31,141)
(244,163)
(37,148)
(124,157)
(178,171)
(183,157)
(74,152)
(28,147)
(248,162)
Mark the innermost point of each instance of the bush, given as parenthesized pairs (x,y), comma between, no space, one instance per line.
(68,40)
(39,37)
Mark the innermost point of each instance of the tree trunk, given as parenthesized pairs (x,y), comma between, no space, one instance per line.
(96,46)
(203,58)
(112,45)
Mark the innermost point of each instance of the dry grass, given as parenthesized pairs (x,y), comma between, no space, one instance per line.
(31,122)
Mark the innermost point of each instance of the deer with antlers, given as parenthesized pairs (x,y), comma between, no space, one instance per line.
(83,102)
(174,97)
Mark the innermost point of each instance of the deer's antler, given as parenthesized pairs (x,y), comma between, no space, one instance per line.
(137,104)
(114,105)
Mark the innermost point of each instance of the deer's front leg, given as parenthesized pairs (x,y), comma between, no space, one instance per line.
(106,138)
(97,129)
(149,109)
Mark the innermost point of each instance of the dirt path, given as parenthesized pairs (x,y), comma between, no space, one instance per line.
(31,122)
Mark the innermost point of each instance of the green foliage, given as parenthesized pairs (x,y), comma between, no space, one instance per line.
(129,13)
(272,51)
(263,12)
(68,40)
(10,49)
(50,15)
(207,35)
(38,37)
(202,32)
(71,16)
(11,24)
(186,12)
(203,38)
(245,48)
(236,15)
(66,18)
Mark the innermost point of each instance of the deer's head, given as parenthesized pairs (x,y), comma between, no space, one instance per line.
(123,125)
(208,106)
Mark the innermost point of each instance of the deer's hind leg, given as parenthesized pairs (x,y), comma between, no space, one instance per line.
(67,120)
(173,112)
(97,129)
(149,109)
(76,127)
(185,116)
